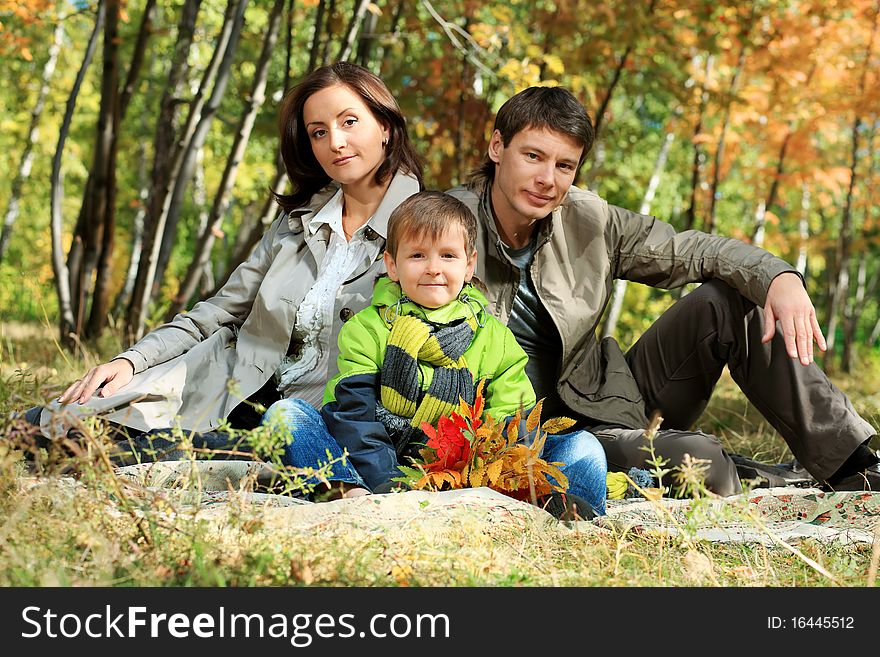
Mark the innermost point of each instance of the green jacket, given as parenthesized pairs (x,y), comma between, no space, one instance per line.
(351,396)
(583,245)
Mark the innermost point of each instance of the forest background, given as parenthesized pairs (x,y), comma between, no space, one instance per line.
(140,142)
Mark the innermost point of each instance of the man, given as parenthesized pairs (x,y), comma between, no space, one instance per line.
(549,252)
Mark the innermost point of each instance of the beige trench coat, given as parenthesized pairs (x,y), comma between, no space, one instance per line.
(195,369)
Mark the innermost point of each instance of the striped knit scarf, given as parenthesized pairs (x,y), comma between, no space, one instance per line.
(403,406)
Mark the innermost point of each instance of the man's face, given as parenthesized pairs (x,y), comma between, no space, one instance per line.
(533,174)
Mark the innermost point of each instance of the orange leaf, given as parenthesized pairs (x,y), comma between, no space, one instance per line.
(479,401)
(534,418)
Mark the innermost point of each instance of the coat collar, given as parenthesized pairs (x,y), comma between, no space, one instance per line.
(402,186)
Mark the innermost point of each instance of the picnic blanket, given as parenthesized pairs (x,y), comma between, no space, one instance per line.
(765,515)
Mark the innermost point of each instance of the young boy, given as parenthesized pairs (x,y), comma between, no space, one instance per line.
(423,343)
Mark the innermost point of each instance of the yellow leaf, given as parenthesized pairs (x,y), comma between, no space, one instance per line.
(494,471)
(554,64)
(558,424)
(374,9)
(534,418)
(513,430)
(476,477)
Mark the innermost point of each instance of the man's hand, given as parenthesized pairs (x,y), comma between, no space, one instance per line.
(788,302)
(112,376)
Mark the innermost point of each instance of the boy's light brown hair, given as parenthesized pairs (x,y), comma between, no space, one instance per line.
(427,215)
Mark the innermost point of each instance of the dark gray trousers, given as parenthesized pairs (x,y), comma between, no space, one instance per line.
(677,362)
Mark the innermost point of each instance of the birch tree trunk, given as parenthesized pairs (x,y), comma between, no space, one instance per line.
(803,230)
(56,190)
(709,224)
(845,242)
(147,270)
(328,32)
(853,308)
(83,222)
(137,236)
(691,213)
(367,39)
(163,153)
(27,158)
(106,204)
(257,96)
(197,141)
(619,291)
(97,210)
(315,50)
(351,33)
(622,62)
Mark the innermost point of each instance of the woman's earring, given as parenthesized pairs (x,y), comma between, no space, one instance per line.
(385,142)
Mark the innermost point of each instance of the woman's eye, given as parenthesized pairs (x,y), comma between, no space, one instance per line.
(317,134)
(350,121)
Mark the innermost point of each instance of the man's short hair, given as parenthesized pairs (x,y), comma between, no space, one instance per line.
(427,215)
(553,108)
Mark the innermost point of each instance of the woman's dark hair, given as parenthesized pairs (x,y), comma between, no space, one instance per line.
(305,173)
(553,108)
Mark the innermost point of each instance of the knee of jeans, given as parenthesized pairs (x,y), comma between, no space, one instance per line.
(584,446)
(291,411)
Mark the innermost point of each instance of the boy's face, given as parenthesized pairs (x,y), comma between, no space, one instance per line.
(432,273)
(533,174)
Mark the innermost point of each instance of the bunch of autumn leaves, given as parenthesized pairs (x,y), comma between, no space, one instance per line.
(467,450)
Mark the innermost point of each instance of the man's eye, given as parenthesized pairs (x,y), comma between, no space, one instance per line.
(532,156)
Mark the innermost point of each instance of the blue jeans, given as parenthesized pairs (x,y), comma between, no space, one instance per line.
(311,445)
(585,465)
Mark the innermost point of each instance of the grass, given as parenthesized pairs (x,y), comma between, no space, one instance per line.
(91,528)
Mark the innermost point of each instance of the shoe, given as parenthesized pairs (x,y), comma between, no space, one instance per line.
(867,480)
(765,475)
(566,507)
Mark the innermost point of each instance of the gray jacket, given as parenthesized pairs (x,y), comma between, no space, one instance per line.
(195,369)
(582,247)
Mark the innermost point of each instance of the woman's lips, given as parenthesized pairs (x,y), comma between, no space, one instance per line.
(343,160)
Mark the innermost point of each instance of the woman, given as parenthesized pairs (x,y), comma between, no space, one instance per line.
(273,326)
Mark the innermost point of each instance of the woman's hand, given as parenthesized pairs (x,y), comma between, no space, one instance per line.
(113,376)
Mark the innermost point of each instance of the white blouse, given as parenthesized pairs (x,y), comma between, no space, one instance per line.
(306,376)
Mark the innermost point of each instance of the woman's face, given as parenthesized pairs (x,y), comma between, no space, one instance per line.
(346,138)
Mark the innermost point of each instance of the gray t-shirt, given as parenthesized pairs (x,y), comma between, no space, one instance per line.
(536,333)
